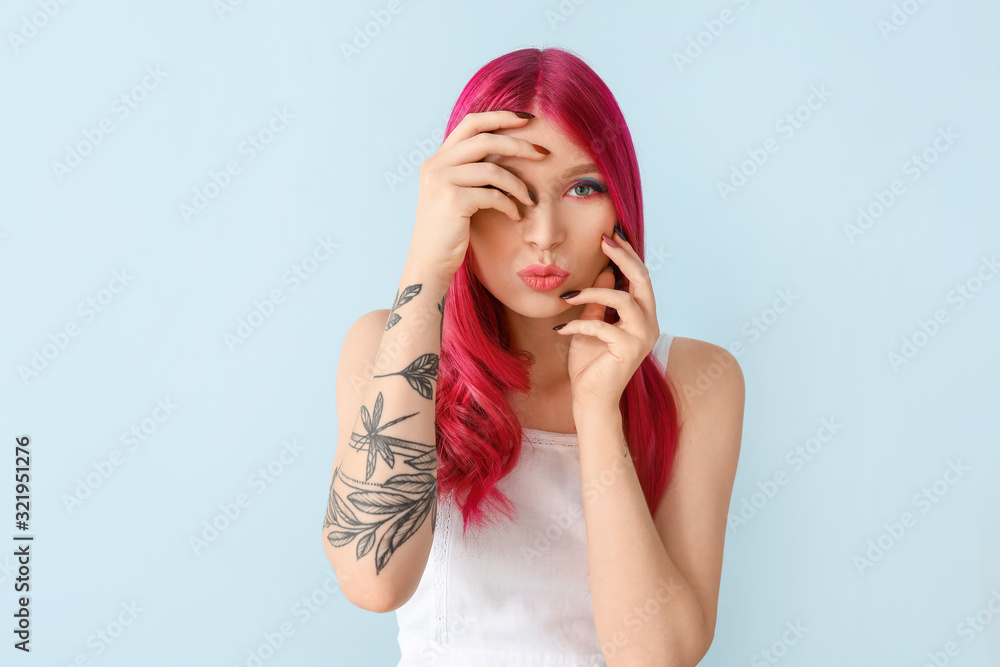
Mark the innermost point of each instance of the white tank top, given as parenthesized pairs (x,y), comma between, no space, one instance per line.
(518,593)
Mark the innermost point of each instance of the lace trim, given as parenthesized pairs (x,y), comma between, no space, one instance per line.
(537,436)
(441,552)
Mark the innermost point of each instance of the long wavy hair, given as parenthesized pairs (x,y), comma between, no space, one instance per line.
(478,436)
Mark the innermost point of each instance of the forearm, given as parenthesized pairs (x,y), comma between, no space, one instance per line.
(645,611)
(384,491)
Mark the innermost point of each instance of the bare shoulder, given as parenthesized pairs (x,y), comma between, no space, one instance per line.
(360,346)
(377,317)
(707,377)
(366,327)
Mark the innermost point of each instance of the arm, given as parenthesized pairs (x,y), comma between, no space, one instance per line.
(382,506)
(655,579)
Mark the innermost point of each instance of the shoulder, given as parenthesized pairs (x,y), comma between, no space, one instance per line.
(364,336)
(707,378)
(371,322)
(380,316)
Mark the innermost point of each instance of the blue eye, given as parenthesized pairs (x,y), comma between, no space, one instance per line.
(596,187)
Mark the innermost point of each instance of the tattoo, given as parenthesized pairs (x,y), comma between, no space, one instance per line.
(407,296)
(376,441)
(419,374)
(403,501)
(441,310)
(403,513)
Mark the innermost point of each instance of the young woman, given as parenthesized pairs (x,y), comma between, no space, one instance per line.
(522,473)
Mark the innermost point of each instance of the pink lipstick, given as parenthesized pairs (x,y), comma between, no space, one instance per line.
(543,278)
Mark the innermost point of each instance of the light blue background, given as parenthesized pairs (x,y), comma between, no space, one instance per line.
(715,265)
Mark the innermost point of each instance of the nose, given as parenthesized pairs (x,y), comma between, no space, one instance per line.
(542,224)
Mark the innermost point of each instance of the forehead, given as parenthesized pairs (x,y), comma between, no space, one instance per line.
(541,131)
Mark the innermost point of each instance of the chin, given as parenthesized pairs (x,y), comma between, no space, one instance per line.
(536,305)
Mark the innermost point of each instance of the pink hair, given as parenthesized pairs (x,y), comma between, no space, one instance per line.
(477,433)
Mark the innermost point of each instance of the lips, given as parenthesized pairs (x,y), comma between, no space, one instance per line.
(543,283)
(538,270)
(543,278)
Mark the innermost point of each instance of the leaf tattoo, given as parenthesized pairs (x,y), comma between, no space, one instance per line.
(419,374)
(401,503)
(441,310)
(404,506)
(406,297)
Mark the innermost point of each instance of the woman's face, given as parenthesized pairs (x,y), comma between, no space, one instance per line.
(562,229)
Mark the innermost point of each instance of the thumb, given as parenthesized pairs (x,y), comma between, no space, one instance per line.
(593,310)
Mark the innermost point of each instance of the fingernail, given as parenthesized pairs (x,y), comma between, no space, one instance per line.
(558,327)
(541,149)
(523,114)
(611,241)
(570,294)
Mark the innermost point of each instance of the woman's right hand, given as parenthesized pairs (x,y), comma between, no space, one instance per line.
(452,188)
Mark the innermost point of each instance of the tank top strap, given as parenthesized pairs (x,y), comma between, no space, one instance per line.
(662,348)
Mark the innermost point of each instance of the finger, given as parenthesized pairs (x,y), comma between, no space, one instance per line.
(631,317)
(484,121)
(483,198)
(616,338)
(625,247)
(620,239)
(487,174)
(489,147)
(593,308)
(640,287)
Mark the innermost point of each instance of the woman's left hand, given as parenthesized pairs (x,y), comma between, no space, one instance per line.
(603,357)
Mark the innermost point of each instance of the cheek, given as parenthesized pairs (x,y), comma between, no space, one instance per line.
(493,252)
(478,246)
(489,236)
(479,229)
(481,250)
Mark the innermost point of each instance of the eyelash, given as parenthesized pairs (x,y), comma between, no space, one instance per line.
(597,187)
(593,185)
